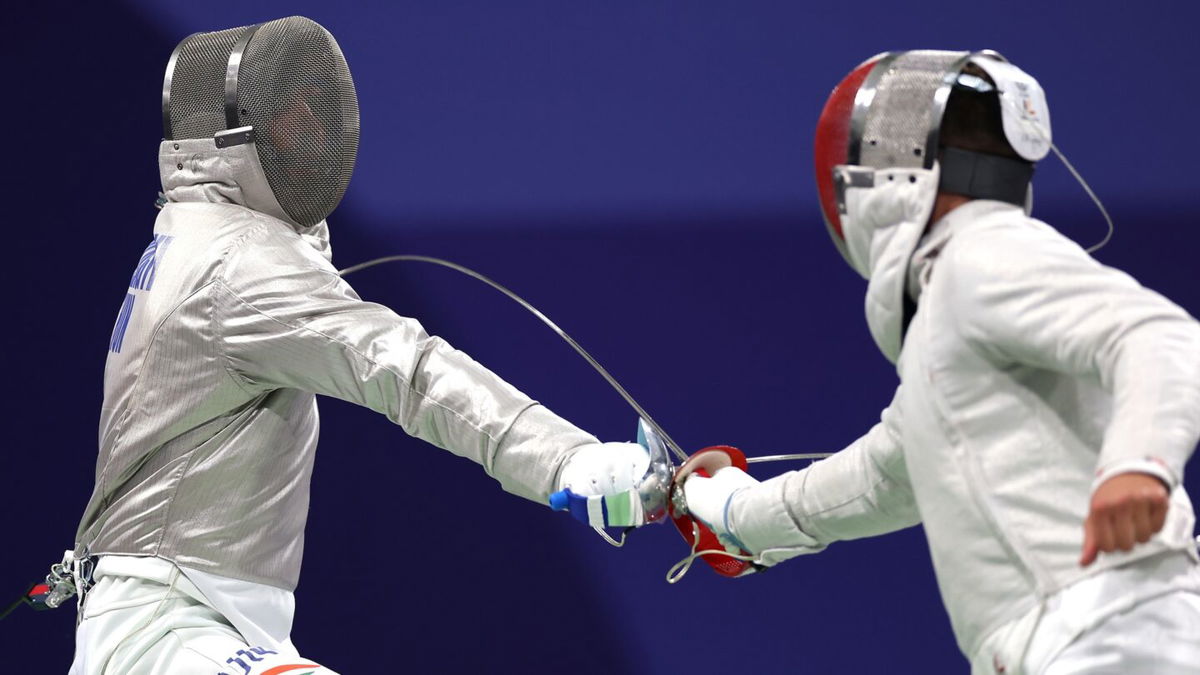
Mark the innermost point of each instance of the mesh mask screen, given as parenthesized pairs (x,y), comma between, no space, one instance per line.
(905,111)
(295,89)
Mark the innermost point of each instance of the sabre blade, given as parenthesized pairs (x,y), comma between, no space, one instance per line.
(612,381)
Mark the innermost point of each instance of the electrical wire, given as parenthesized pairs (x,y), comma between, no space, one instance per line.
(671,444)
(1088,189)
(1037,128)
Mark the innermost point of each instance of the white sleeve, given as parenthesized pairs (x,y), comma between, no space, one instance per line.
(861,491)
(287,320)
(1030,296)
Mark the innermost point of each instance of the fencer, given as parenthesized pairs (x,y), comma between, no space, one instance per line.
(233,320)
(1047,403)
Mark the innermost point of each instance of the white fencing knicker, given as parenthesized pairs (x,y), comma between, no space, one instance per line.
(138,625)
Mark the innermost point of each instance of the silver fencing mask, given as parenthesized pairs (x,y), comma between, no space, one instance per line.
(282,85)
(888,113)
(886,147)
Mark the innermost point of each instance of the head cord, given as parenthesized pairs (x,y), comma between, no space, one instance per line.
(1062,158)
(1096,200)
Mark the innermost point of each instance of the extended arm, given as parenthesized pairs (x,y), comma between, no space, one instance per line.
(859,492)
(286,319)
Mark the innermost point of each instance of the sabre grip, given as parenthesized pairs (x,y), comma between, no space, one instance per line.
(560,500)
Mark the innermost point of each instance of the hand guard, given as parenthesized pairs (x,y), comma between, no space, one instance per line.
(706,530)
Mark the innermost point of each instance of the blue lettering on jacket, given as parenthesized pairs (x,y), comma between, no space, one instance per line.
(143,276)
(118,334)
(142,280)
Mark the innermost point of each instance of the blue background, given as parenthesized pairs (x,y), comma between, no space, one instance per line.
(641,172)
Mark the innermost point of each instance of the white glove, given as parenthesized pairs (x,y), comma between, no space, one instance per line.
(708,499)
(604,469)
(598,485)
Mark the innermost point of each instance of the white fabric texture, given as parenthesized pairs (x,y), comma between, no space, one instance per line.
(768,529)
(708,498)
(861,491)
(604,469)
(883,224)
(771,535)
(145,617)
(1028,368)
(1159,637)
(262,614)
(237,319)
(1080,614)
(1140,618)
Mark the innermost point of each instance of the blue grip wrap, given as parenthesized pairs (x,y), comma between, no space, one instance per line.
(578,507)
(559,500)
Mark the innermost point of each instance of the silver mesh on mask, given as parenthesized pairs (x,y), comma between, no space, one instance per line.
(295,90)
(900,110)
(290,82)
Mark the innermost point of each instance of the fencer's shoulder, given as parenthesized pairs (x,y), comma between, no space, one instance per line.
(270,251)
(272,242)
(1007,246)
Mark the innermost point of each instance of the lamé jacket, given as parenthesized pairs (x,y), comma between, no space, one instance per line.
(1029,373)
(233,321)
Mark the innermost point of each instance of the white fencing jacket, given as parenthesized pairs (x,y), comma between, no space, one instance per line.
(234,319)
(1029,374)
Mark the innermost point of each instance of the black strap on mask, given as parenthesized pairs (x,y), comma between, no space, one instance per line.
(232,70)
(982,176)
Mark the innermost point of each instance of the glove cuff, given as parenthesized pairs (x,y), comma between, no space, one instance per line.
(619,510)
(758,517)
